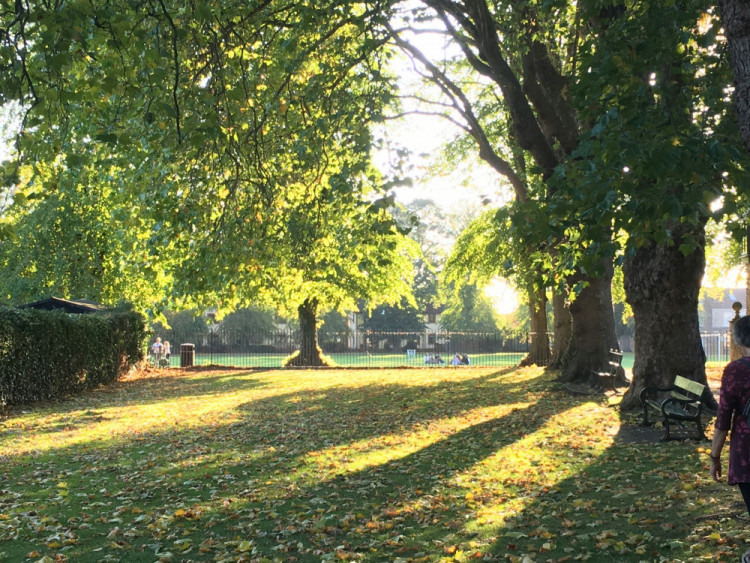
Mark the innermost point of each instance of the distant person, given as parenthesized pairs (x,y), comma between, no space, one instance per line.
(167,351)
(157,348)
(734,395)
(456,360)
(465,360)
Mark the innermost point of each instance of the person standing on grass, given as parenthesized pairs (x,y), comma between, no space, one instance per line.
(157,348)
(167,351)
(735,393)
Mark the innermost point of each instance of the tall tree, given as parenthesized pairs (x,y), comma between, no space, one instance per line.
(523,58)
(401,317)
(250,320)
(735,15)
(82,241)
(659,152)
(468,309)
(242,132)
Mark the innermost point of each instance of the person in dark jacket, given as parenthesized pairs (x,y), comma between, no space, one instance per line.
(734,395)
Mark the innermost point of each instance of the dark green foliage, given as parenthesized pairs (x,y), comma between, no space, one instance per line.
(469,309)
(405,318)
(184,326)
(249,319)
(48,354)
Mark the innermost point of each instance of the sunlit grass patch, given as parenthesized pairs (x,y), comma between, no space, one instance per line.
(392,465)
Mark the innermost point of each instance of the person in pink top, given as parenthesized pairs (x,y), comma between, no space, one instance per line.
(735,393)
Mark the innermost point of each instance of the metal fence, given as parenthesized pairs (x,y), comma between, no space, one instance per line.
(378,349)
(716,346)
(352,348)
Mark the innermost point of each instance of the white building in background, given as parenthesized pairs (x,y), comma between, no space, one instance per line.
(428,338)
(716,310)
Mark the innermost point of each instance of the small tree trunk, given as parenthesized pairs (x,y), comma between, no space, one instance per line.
(539,352)
(662,286)
(593,328)
(563,329)
(309,352)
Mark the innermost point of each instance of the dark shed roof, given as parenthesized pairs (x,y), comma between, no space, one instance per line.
(77,307)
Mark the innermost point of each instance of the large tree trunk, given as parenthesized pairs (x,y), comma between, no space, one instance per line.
(662,286)
(735,15)
(309,352)
(593,332)
(539,352)
(563,329)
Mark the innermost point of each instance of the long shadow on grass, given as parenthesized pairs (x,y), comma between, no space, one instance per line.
(333,415)
(259,475)
(642,500)
(344,413)
(408,505)
(254,480)
(149,391)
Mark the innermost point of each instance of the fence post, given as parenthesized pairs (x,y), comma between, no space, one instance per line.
(735,352)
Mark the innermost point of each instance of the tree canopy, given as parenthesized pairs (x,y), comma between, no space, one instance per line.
(206,154)
(236,139)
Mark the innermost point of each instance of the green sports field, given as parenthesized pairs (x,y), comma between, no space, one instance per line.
(352,360)
(505,359)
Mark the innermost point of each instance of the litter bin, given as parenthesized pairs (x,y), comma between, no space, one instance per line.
(187,355)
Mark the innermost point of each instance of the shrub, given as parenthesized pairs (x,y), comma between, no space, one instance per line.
(48,354)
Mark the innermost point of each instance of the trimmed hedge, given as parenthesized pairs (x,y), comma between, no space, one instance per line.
(49,354)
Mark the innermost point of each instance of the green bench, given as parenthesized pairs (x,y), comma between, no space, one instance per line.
(684,404)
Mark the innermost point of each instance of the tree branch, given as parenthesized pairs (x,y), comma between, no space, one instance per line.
(176,61)
(462,105)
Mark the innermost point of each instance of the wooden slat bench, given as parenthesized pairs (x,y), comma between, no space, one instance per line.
(684,404)
(602,379)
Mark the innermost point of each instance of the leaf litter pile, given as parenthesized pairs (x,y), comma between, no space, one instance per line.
(392,465)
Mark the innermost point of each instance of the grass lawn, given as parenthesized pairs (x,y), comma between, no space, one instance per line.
(497,360)
(353,359)
(383,465)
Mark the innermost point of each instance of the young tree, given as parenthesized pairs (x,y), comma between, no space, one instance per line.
(490,247)
(469,309)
